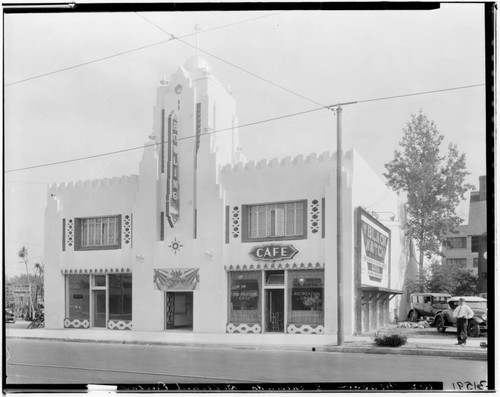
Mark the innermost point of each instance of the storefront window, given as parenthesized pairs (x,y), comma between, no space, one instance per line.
(306,297)
(77,300)
(245,300)
(120,296)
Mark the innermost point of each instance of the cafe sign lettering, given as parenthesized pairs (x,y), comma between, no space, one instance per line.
(273,252)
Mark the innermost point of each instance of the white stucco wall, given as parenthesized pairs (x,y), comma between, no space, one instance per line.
(96,198)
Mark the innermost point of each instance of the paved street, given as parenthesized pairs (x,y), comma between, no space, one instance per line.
(35,361)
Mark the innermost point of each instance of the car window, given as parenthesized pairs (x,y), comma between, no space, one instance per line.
(476,305)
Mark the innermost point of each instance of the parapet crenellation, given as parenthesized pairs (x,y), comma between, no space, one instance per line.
(288,161)
(124,180)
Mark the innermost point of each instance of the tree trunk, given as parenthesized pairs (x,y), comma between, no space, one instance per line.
(421,278)
(421,260)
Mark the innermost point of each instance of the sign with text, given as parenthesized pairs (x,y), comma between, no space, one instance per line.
(307,294)
(374,244)
(172,211)
(20,289)
(273,252)
(245,295)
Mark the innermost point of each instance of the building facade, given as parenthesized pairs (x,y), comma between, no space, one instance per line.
(202,239)
(467,245)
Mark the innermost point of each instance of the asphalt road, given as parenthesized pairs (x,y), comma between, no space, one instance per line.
(59,362)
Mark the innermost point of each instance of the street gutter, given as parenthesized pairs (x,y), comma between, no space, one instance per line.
(366,349)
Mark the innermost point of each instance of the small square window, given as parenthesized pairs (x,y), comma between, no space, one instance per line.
(275,278)
(99,281)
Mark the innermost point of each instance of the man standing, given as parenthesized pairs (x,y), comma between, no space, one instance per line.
(462,313)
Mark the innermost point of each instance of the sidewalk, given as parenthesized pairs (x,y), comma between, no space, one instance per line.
(322,343)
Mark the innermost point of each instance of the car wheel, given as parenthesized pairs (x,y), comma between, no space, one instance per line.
(440,325)
(473,329)
(414,316)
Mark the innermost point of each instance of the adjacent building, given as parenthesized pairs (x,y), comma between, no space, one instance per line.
(203,240)
(467,245)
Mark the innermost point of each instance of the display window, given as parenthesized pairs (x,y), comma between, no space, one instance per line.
(78,297)
(245,297)
(99,298)
(120,296)
(305,297)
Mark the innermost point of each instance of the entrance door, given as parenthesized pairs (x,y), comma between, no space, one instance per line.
(99,299)
(275,310)
(179,310)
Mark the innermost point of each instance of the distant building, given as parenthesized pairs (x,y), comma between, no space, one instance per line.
(466,246)
(203,240)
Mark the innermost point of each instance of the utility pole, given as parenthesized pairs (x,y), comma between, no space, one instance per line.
(340,229)
(340,253)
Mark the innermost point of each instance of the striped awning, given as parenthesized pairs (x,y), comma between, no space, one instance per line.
(179,279)
(97,270)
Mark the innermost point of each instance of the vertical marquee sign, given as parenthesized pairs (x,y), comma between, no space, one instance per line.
(375,251)
(172,211)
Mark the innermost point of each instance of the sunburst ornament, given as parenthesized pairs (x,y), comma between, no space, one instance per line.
(175,246)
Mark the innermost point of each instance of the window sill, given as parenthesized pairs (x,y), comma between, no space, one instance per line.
(271,239)
(103,248)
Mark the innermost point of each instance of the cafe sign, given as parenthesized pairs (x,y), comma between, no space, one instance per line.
(273,252)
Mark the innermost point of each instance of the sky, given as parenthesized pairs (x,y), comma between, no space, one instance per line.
(67,94)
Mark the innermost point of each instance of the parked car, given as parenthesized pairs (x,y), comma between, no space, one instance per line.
(476,325)
(427,305)
(9,316)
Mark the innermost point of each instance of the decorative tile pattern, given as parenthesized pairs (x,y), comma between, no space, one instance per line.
(243,328)
(306,329)
(76,323)
(235,222)
(315,216)
(170,309)
(70,233)
(127,229)
(120,324)
(275,266)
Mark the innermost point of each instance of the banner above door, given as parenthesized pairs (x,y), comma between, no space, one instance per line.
(180,279)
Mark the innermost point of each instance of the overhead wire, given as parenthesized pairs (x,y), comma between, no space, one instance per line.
(134,50)
(329,107)
(232,64)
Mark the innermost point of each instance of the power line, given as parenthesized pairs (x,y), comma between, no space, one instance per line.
(247,125)
(158,143)
(133,50)
(232,64)
(420,93)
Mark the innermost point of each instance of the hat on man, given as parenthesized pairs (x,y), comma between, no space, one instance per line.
(462,299)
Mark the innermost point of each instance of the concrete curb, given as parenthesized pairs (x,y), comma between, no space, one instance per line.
(368,349)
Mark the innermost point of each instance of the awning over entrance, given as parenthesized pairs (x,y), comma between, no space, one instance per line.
(391,293)
(181,279)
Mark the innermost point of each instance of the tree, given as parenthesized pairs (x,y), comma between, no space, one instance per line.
(434,185)
(23,254)
(454,279)
(38,269)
